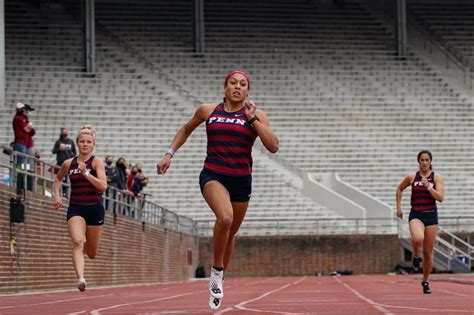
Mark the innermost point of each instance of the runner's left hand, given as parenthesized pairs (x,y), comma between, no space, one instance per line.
(250,109)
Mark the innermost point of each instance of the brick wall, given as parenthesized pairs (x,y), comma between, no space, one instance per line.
(306,255)
(129,255)
(126,253)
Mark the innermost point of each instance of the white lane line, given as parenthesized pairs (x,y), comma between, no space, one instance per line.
(225,310)
(375,305)
(53,302)
(247,284)
(118,294)
(184,312)
(430,310)
(97,311)
(241,306)
(438,290)
(262,281)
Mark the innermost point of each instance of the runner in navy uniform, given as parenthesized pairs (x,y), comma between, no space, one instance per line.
(226,181)
(85,215)
(427,188)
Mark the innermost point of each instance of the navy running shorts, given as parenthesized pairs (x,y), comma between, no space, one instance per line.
(239,187)
(427,217)
(92,214)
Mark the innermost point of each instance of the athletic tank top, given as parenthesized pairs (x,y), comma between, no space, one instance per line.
(82,191)
(421,199)
(229,142)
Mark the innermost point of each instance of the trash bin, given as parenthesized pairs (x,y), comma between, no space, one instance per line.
(463,259)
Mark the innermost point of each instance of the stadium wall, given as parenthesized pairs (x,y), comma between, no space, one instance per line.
(127,254)
(308,255)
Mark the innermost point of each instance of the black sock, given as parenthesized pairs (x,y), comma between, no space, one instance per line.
(218,268)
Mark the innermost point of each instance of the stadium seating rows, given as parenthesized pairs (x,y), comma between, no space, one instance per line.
(327,76)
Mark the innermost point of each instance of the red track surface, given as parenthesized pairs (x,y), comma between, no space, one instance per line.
(382,294)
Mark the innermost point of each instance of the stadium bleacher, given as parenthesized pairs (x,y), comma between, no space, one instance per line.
(450,22)
(327,76)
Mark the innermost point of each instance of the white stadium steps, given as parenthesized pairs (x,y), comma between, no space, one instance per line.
(327,76)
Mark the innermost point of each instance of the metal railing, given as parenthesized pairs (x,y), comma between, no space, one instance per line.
(432,44)
(304,226)
(122,203)
(38,176)
(325,226)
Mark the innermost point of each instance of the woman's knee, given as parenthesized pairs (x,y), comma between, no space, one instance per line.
(78,243)
(418,239)
(225,221)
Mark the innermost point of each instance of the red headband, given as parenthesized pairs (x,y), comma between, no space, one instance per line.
(246,76)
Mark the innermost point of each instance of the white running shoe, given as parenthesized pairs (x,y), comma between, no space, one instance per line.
(81,284)
(214,303)
(216,288)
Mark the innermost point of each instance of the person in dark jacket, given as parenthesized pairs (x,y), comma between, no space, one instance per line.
(112,175)
(64,147)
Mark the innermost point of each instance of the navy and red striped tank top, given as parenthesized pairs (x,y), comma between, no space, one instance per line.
(421,199)
(229,142)
(82,191)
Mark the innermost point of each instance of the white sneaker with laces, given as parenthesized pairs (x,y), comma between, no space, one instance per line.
(215,284)
(81,284)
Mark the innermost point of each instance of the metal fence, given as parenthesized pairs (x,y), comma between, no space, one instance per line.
(326,226)
(120,203)
(301,226)
(35,175)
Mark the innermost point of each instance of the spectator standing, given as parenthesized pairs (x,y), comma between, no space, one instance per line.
(64,147)
(123,173)
(112,175)
(131,178)
(24,132)
(121,167)
(137,185)
(129,189)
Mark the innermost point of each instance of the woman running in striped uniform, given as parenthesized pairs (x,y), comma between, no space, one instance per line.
(226,179)
(426,188)
(85,214)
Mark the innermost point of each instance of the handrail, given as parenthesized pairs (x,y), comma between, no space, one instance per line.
(464,65)
(303,226)
(447,264)
(451,246)
(455,237)
(136,208)
(411,18)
